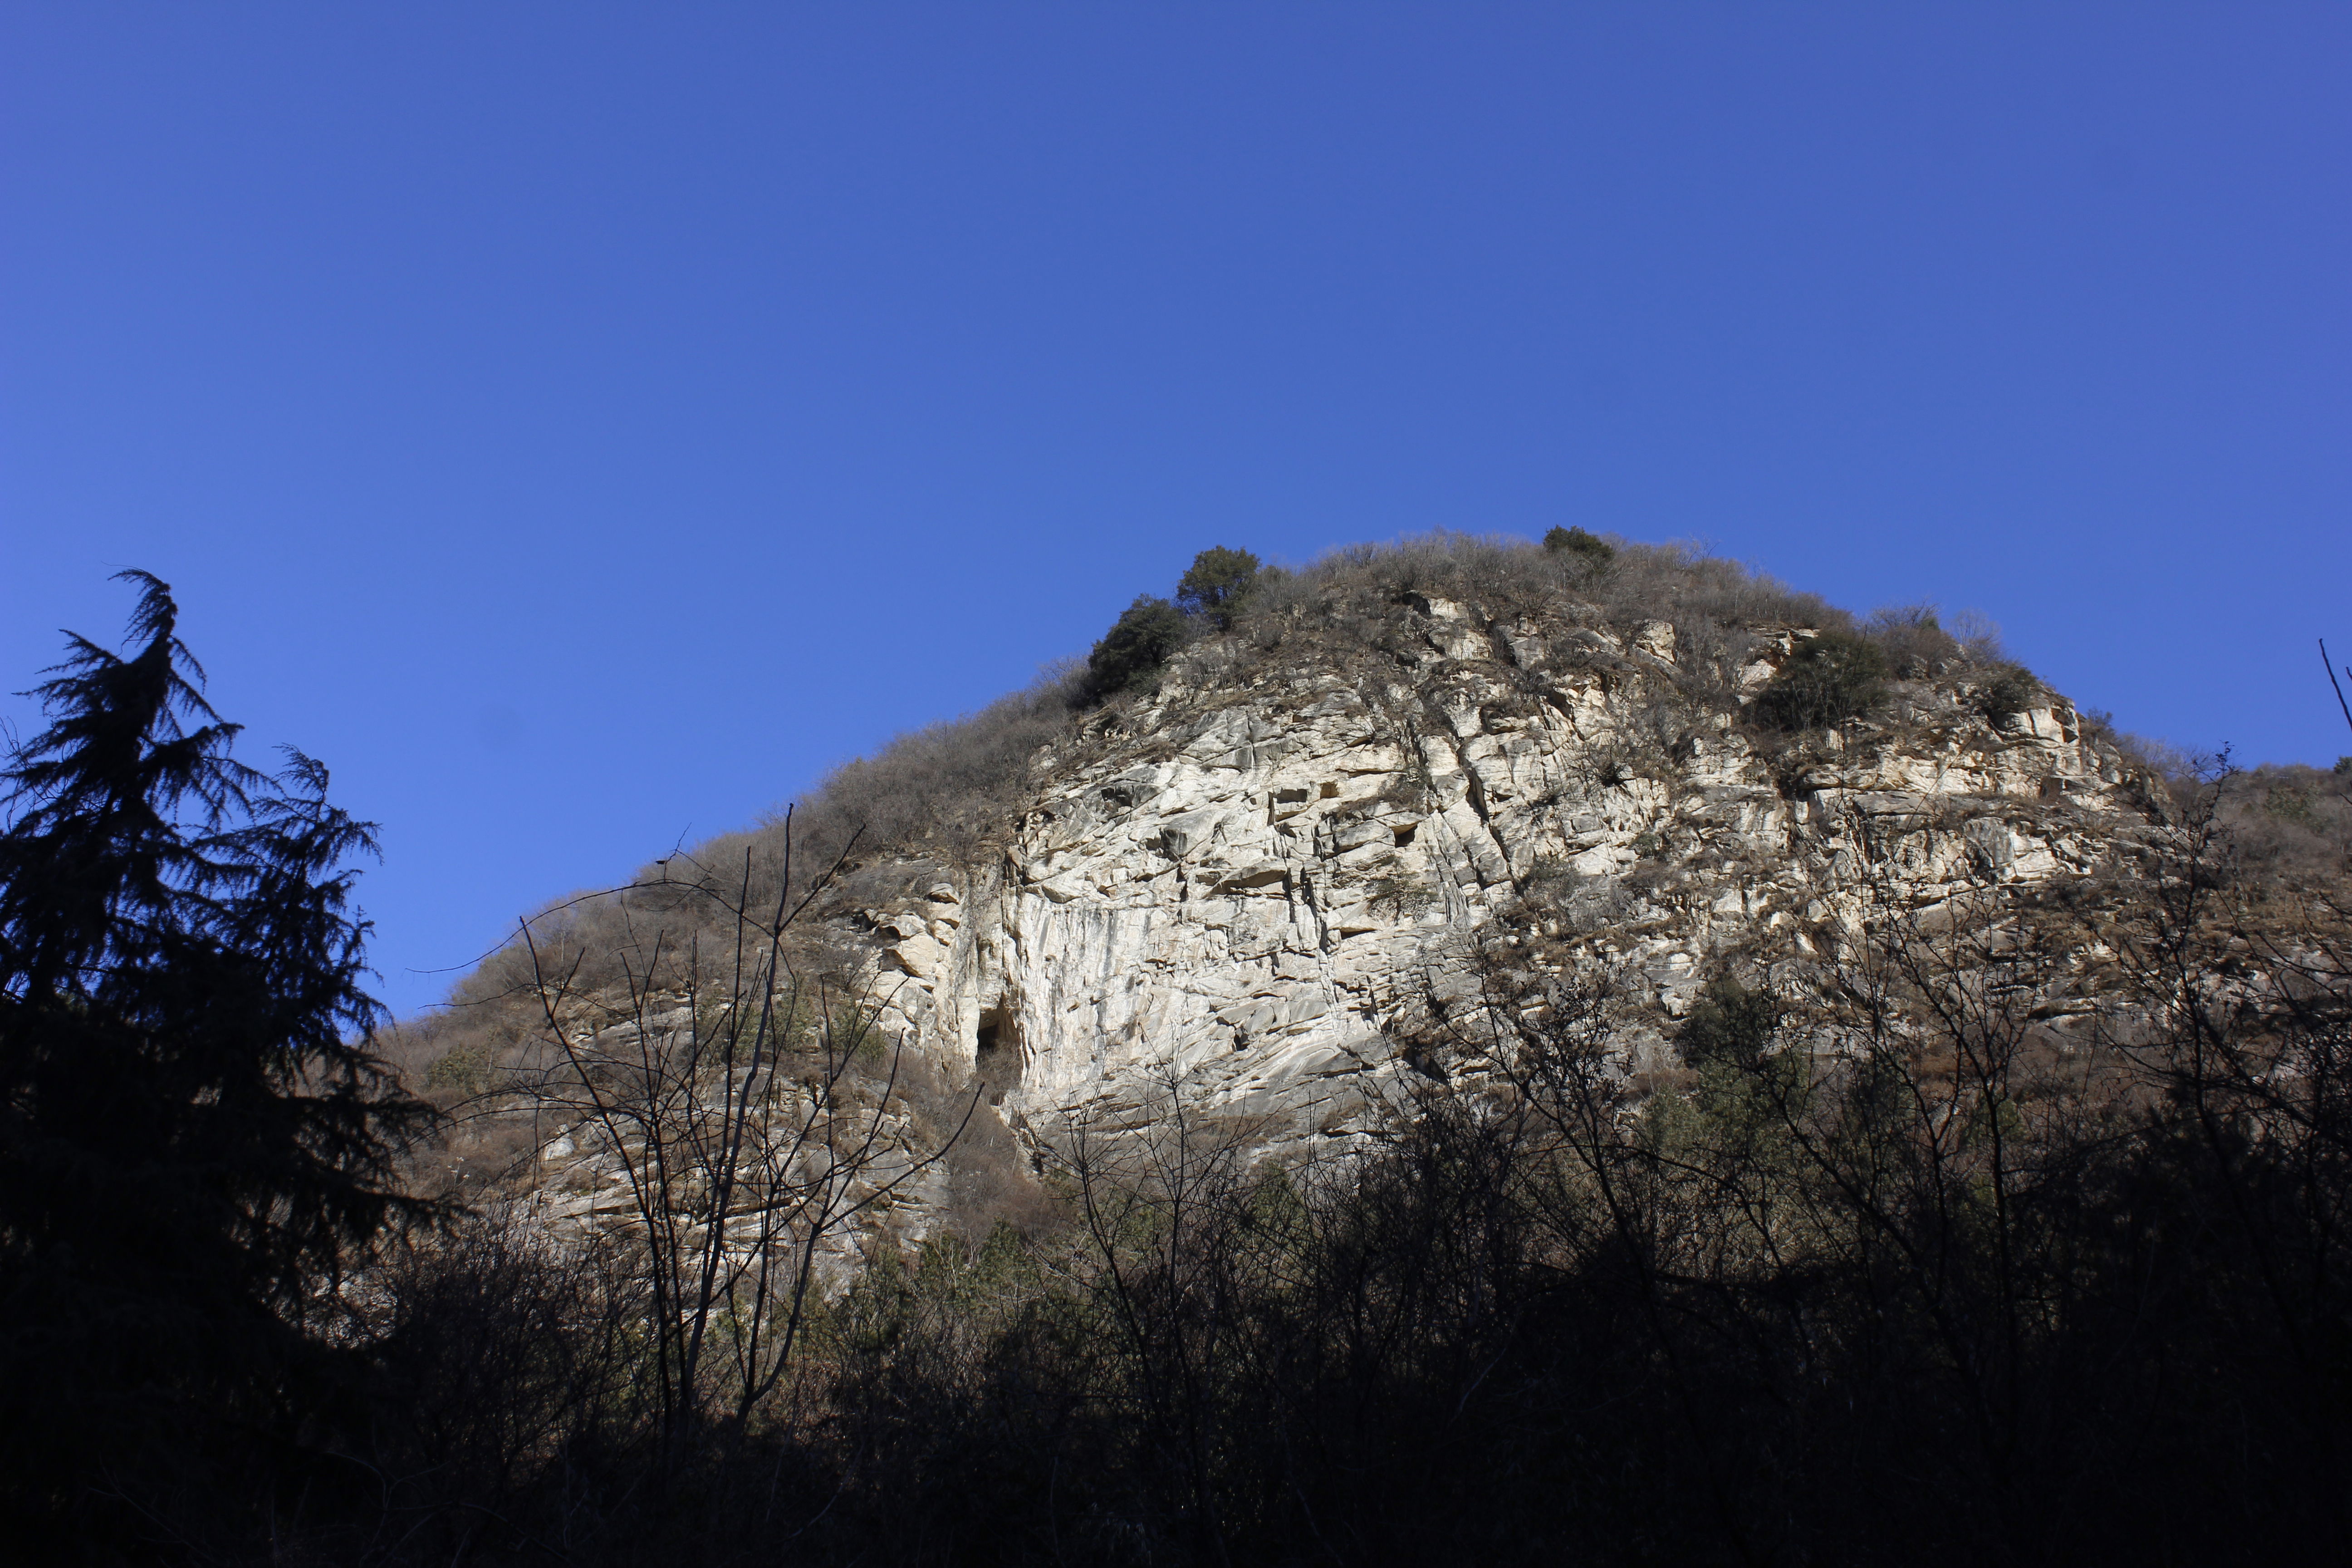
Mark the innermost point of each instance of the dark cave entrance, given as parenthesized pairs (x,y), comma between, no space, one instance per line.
(996,1052)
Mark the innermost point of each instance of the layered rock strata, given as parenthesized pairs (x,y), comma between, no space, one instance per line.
(1232,894)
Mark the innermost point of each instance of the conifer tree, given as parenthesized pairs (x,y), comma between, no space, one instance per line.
(195,1139)
(1216,582)
(1130,655)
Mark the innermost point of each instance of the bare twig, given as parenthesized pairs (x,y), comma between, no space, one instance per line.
(2329,665)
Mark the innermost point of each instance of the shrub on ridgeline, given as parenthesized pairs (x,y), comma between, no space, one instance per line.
(1828,679)
(1214,586)
(1131,653)
(2007,688)
(1576,544)
(1913,638)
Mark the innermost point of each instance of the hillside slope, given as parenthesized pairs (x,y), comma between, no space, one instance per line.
(1248,884)
(1496,1052)
(1238,885)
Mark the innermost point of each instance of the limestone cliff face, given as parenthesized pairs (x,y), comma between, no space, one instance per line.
(1233,886)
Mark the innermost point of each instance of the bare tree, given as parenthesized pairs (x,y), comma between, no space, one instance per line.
(1161,1195)
(2247,1034)
(751,1109)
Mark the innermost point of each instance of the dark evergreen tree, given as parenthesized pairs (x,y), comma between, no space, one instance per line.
(1587,549)
(1216,582)
(1728,1023)
(195,1139)
(1827,680)
(1131,652)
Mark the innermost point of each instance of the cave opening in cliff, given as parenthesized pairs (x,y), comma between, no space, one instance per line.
(996,1052)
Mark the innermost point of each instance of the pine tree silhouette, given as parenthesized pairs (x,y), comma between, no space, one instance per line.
(195,1136)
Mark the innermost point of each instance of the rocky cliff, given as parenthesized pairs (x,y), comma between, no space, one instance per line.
(1243,886)
(1487,1046)
(1232,886)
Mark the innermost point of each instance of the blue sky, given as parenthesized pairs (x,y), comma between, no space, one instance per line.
(580,424)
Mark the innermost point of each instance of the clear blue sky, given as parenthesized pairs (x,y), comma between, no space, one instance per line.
(579,425)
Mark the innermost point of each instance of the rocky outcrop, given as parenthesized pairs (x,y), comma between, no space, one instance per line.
(1232,888)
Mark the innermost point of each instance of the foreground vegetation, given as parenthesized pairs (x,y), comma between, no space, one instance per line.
(1904,1265)
(1894,1271)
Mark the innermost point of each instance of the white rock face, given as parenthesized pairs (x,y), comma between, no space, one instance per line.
(1236,892)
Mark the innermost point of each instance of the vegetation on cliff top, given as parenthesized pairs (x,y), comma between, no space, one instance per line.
(941,796)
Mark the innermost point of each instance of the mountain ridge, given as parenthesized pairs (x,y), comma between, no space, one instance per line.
(1244,879)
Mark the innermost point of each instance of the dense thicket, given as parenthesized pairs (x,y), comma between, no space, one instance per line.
(1824,681)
